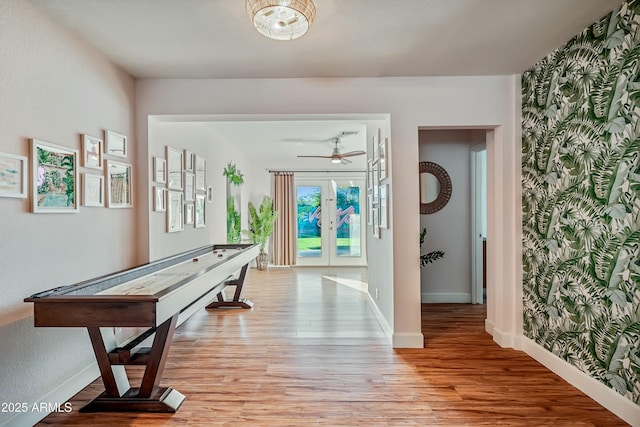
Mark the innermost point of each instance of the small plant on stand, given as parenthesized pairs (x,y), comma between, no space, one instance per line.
(261,223)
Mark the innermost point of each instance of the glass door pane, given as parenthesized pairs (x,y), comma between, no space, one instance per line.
(309,201)
(348,239)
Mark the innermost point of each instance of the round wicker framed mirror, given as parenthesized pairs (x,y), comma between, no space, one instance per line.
(435,187)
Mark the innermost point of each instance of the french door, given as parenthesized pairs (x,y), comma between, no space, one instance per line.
(331,222)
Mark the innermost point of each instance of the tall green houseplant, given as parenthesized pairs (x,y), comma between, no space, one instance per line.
(235,179)
(261,223)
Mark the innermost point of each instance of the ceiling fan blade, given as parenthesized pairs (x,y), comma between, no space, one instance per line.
(319,157)
(345,161)
(353,153)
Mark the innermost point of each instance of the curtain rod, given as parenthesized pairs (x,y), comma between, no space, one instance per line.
(315,171)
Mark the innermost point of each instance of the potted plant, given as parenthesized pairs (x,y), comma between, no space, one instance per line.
(430,257)
(235,179)
(261,223)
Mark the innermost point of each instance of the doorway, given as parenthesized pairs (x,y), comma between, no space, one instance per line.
(331,224)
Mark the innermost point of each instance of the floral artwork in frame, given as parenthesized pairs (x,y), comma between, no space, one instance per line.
(159,170)
(200,167)
(13,176)
(159,199)
(119,186)
(188,213)
(55,178)
(200,212)
(174,168)
(92,149)
(175,211)
(116,144)
(93,190)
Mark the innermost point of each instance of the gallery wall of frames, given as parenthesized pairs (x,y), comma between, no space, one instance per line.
(378,185)
(181,189)
(54,184)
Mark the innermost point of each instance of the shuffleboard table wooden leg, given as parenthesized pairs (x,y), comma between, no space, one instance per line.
(236,302)
(149,397)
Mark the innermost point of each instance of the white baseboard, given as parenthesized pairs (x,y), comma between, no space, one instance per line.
(607,397)
(504,339)
(58,395)
(440,298)
(386,328)
(408,340)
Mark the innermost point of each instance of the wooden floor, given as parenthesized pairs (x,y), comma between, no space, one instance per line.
(310,353)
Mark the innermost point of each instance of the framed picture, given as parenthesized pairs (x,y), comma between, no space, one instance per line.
(188,213)
(370,208)
(159,199)
(188,161)
(189,187)
(376,224)
(376,146)
(200,166)
(119,185)
(370,175)
(376,184)
(200,217)
(383,205)
(175,211)
(174,168)
(92,149)
(55,178)
(93,190)
(209,194)
(116,144)
(382,160)
(13,176)
(159,170)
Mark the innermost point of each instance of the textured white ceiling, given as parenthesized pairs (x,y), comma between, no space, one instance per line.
(350,38)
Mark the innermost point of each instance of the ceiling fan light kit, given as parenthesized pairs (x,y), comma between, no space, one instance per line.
(281,19)
(337,157)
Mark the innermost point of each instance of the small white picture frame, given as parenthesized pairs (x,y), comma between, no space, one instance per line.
(188,161)
(13,175)
(175,211)
(200,170)
(159,170)
(189,187)
(93,190)
(116,144)
(188,213)
(174,168)
(159,199)
(119,184)
(200,211)
(209,194)
(92,149)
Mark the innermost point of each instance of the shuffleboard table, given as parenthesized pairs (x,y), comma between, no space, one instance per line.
(152,296)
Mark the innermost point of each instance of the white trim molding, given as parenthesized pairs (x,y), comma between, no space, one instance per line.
(408,340)
(605,396)
(386,328)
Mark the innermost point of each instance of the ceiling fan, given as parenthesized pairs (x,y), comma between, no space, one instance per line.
(336,156)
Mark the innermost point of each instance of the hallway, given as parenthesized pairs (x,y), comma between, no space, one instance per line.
(310,353)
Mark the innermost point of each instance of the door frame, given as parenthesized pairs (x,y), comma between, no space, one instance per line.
(478,177)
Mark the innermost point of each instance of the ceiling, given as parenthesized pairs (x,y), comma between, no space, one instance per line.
(349,38)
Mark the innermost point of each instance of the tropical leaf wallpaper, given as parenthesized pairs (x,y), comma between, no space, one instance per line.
(581,201)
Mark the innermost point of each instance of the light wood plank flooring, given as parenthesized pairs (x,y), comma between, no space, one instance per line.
(310,353)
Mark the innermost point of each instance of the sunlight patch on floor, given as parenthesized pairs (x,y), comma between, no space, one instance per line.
(352,283)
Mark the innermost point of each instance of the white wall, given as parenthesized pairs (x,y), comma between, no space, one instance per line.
(200,139)
(412,103)
(449,230)
(54,87)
